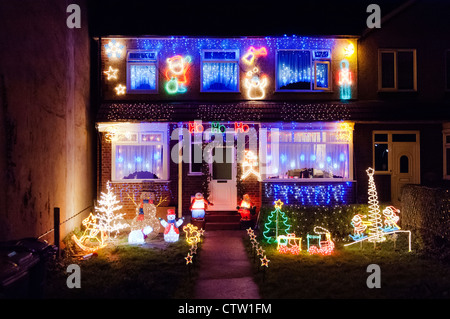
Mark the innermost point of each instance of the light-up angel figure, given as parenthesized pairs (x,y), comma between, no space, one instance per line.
(250,161)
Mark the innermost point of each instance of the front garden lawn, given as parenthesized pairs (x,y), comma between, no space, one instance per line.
(344,273)
(126,271)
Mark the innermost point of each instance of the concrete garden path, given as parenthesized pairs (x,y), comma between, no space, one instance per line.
(224,268)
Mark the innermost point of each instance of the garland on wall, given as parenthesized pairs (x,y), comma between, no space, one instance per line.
(206,175)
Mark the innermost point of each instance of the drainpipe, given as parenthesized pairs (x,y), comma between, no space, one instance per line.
(180,183)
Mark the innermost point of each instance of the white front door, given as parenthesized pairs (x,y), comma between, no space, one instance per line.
(405,168)
(223,191)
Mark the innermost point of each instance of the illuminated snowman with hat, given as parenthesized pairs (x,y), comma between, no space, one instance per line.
(171,232)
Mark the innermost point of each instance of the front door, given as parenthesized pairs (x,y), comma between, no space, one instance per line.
(223,191)
(405,168)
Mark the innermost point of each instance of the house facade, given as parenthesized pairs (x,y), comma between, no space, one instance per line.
(270,112)
(294,118)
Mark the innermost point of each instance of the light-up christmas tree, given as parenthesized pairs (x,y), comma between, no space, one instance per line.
(108,219)
(276,224)
(375,231)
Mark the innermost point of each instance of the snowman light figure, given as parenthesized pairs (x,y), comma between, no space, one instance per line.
(255,84)
(171,232)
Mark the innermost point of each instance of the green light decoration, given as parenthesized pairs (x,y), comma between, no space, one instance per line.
(277,223)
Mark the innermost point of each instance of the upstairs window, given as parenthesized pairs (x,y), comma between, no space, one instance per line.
(220,71)
(303,70)
(397,70)
(142,72)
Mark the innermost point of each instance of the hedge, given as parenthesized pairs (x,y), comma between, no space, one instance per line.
(426,212)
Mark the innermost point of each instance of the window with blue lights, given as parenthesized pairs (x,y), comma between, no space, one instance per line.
(139,156)
(307,154)
(303,70)
(220,71)
(142,76)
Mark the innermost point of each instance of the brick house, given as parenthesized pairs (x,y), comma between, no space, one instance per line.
(316,112)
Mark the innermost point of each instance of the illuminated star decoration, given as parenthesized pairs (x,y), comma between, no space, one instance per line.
(114,49)
(120,89)
(188,259)
(249,231)
(250,161)
(260,251)
(111,73)
(264,261)
(278,204)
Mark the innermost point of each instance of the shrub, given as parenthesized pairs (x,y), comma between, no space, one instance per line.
(426,212)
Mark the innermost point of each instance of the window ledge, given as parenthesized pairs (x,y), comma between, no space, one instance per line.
(127,181)
(306,180)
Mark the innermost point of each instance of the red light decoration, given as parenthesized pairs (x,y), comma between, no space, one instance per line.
(239,127)
(195,127)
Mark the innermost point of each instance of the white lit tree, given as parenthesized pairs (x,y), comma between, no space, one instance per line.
(375,231)
(107,216)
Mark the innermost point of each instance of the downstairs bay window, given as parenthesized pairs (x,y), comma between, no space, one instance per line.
(309,153)
(138,152)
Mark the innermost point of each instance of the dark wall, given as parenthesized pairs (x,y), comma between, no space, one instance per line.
(45,119)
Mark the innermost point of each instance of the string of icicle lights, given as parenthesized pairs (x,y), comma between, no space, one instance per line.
(226,112)
(173,45)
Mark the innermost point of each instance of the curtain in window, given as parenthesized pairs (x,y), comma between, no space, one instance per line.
(294,70)
(139,162)
(322,75)
(310,155)
(143,77)
(220,76)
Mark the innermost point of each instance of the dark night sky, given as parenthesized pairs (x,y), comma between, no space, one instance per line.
(231,17)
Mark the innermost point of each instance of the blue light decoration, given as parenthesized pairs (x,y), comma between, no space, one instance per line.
(307,195)
(345,81)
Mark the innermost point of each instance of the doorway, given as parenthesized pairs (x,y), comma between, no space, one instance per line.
(223,186)
(397,153)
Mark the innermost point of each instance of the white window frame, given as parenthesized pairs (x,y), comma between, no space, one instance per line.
(129,63)
(235,61)
(313,62)
(140,129)
(390,147)
(395,88)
